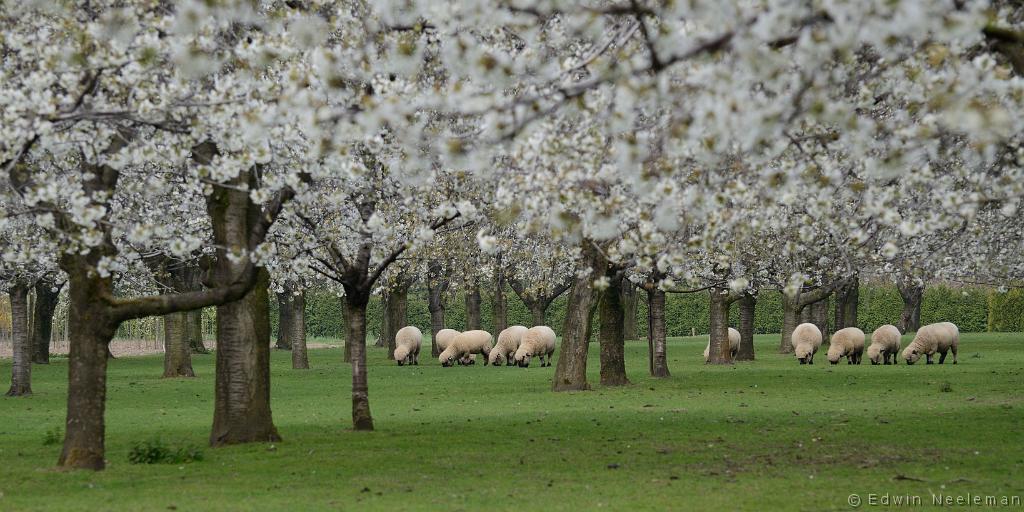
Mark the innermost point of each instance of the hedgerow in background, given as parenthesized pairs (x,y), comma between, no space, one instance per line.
(1006,311)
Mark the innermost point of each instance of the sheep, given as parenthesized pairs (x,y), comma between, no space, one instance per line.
(508,343)
(885,342)
(734,344)
(407,345)
(848,342)
(941,337)
(444,337)
(465,343)
(536,341)
(805,340)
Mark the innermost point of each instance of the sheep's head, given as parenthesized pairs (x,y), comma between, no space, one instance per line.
(835,353)
(401,354)
(875,354)
(911,355)
(467,360)
(803,353)
(496,358)
(522,357)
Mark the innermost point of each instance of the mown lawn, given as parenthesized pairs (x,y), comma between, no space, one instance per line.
(755,436)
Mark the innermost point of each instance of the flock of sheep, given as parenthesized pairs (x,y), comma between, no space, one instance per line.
(938,338)
(516,345)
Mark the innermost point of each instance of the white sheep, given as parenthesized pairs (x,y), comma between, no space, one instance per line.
(444,337)
(734,344)
(465,343)
(806,340)
(407,345)
(536,341)
(885,342)
(508,343)
(849,343)
(941,337)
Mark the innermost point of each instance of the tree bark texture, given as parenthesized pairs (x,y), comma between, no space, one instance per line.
(657,332)
(612,335)
(571,371)
(747,305)
(472,300)
(355,305)
(910,317)
(21,342)
(177,352)
(284,319)
(47,296)
(297,325)
(629,301)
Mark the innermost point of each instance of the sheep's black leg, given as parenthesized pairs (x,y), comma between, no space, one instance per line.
(928,358)
(942,357)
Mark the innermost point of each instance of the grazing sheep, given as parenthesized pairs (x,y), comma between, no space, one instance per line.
(536,341)
(734,344)
(885,342)
(848,342)
(508,343)
(444,337)
(467,360)
(407,345)
(806,340)
(465,343)
(941,337)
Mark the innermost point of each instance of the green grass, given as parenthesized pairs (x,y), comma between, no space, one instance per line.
(764,435)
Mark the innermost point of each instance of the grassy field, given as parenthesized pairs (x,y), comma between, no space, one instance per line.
(764,435)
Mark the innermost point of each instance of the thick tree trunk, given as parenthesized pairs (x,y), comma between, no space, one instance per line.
(473,308)
(500,306)
(819,317)
(538,312)
(396,315)
(355,305)
(436,306)
(748,303)
(910,318)
(284,318)
(612,336)
(47,296)
(297,323)
(90,330)
(846,305)
(719,351)
(194,329)
(791,311)
(21,342)
(656,332)
(571,371)
(629,302)
(241,411)
(177,352)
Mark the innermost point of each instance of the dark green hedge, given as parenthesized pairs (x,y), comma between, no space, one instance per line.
(972,309)
(1006,311)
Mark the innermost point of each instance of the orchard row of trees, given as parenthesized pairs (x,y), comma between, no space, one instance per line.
(165,157)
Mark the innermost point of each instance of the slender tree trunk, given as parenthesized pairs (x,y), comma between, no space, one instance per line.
(791,311)
(177,352)
(538,311)
(396,315)
(656,332)
(910,318)
(297,323)
(473,308)
(284,318)
(387,335)
(719,351)
(611,337)
(748,303)
(90,331)
(47,296)
(241,411)
(500,308)
(436,307)
(355,305)
(571,371)
(629,302)
(194,328)
(21,342)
